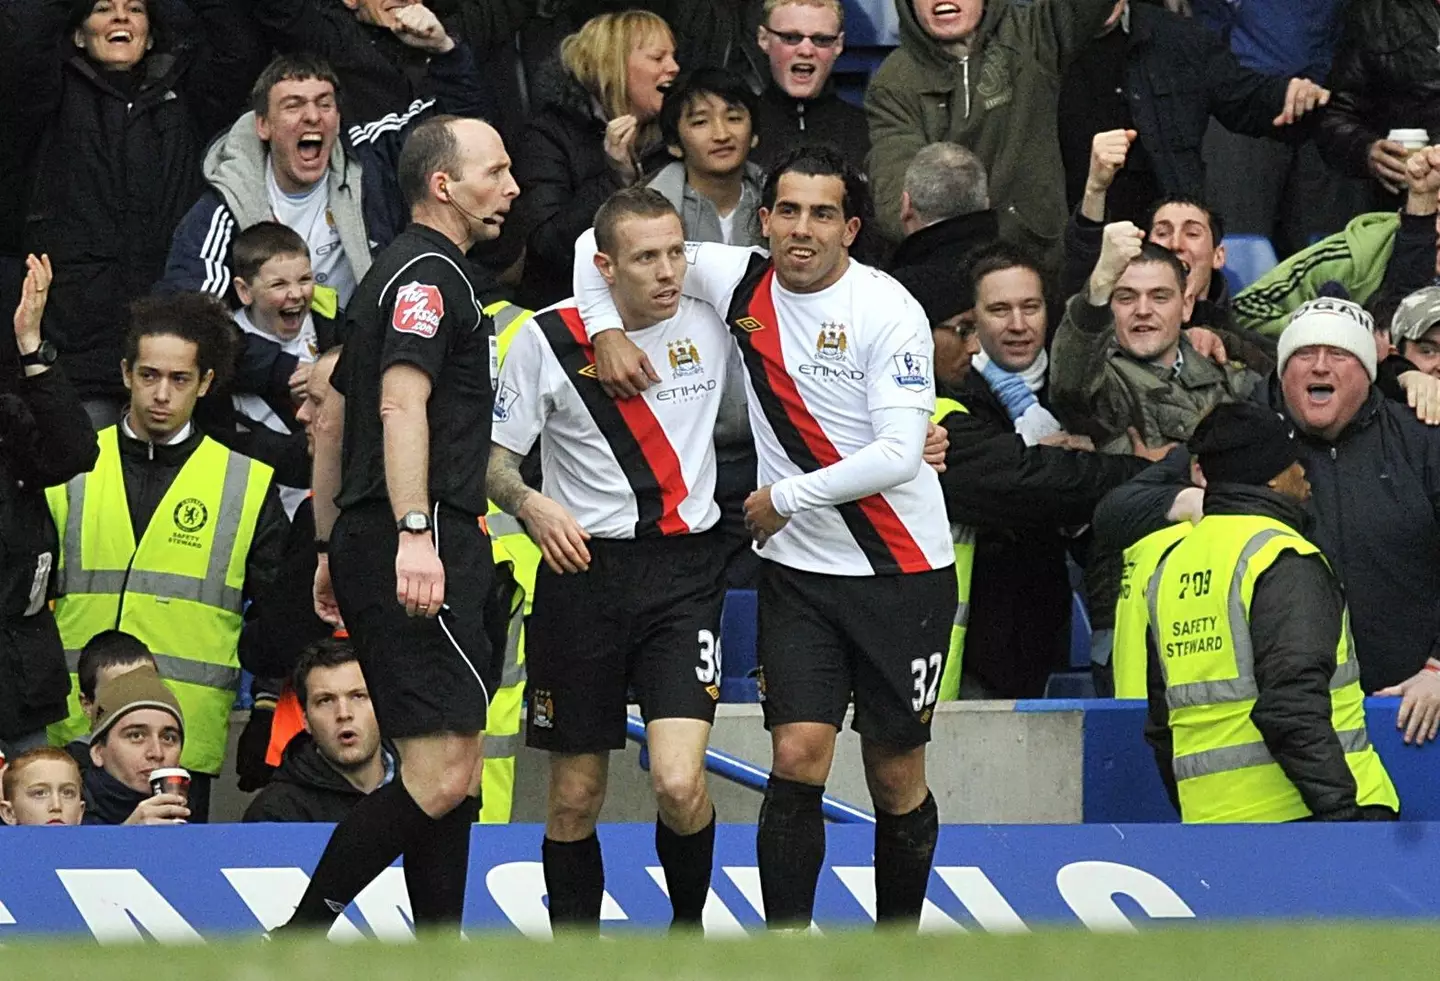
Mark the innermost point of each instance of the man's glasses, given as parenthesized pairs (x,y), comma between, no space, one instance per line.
(793,40)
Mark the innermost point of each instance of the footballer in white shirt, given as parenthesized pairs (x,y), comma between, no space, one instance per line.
(630,593)
(858,594)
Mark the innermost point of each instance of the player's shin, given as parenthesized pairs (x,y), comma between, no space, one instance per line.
(790,847)
(904,851)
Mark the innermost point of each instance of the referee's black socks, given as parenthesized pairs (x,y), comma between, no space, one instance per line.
(687,860)
(790,846)
(904,850)
(575,882)
(379,828)
(435,867)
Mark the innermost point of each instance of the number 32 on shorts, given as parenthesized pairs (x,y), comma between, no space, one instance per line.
(927,673)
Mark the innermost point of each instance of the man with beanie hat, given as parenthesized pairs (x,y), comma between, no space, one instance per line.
(139,728)
(1375,470)
(1261,720)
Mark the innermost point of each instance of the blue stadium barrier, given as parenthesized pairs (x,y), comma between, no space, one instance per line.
(1247,258)
(737,648)
(1122,785)
(747,774)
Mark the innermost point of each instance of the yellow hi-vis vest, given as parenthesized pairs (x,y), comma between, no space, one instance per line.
(509,544)
(1199,600)
(964,538)
(1132,618)
(179,591)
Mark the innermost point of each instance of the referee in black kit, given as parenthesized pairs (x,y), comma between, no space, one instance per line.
(413,573)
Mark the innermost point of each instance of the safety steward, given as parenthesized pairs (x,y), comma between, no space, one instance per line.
(170,533)
(1256,712)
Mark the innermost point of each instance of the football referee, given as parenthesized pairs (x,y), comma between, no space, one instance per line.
(412,571)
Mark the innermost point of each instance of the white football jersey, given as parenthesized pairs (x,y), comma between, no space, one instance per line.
(624,468)
(816,366)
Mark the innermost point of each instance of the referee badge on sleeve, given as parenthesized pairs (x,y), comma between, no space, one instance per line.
(419,308)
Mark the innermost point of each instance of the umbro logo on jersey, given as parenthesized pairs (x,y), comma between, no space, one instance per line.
(749,325)
(590,371)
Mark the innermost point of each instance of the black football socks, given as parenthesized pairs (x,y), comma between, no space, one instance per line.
(904,850)
(687,860)
(575,882)
(375,833)
(790,846)
(435,867)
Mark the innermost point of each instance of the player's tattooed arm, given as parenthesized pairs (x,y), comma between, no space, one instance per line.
(503,481)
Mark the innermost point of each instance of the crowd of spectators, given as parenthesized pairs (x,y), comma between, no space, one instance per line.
(194,189)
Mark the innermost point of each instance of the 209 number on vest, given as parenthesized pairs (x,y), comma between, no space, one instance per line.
(927,679)
(1196,583)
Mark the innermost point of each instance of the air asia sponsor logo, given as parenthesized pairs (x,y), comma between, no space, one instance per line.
(418,309)
(912,371)
(504,399)
(684,358)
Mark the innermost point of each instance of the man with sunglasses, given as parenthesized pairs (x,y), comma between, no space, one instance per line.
(802,39)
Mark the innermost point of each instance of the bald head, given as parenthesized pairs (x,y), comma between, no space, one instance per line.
(455,175)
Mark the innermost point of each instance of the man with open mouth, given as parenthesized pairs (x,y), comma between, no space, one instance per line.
(802,39)
(289,160)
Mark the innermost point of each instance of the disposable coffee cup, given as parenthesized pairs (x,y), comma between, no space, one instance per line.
(1410,139)
(170,780)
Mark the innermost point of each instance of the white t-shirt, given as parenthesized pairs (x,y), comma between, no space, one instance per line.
(309,215)
(817,365)
(305,348)
(630,468)
(727,226)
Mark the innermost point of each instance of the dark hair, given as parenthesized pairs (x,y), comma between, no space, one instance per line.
(430,148)
(262,242)
(80,11)
(331,652)
(820,160)
(689,86)
(1150,252)
(296,67)
(1216,220)
(199,318)
(999,256)
(631,202)
(108,649)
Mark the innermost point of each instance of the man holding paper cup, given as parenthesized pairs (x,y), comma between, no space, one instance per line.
(135,749)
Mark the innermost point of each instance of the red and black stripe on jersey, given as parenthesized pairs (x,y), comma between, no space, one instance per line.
(640,446)
(878,531)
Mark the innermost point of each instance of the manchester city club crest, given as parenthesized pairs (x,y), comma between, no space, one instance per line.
(831,343)
(684,358)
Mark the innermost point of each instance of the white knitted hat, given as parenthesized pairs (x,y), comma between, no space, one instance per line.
(1334,323)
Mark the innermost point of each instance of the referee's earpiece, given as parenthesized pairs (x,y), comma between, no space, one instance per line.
(445,190)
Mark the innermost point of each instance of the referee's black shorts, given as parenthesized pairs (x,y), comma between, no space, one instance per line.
(426,675)
(881,639)
(645,619)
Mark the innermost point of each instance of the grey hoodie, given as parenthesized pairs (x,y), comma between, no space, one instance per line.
(698,215)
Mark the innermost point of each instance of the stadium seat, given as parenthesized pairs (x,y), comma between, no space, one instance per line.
(1247,258)
(737,647)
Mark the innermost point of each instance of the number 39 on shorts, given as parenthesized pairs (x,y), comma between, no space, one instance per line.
(708,670)
(927,673)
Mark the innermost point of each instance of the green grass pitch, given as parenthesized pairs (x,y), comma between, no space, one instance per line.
(1239,953)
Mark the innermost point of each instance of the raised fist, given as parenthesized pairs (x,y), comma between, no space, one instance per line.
(1108,151)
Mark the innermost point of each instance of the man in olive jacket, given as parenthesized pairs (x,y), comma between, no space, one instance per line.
(984,74)
(1121,372)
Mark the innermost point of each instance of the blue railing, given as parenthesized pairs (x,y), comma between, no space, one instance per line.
(747,774)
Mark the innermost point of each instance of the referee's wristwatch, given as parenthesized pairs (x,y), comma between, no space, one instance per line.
(415,522)
(46,355)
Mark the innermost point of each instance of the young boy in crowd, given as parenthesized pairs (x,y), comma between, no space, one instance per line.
(42,787)
(707,121)
(105,657)
(281,340)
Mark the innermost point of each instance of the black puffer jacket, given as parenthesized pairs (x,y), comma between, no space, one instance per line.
(1295,620)
(1386,75)
(45,439)
(113,159)
(942,248)
(783,122)
(564,177)
(307,788)
(1018,498)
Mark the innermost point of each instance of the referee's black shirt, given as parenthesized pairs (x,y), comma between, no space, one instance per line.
(418,305)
